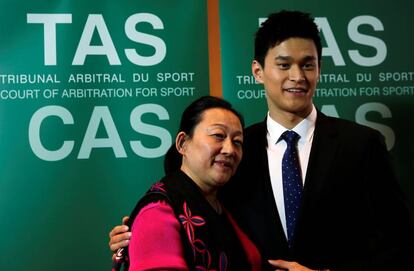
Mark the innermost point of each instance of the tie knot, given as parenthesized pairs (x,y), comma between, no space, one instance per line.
(291,137)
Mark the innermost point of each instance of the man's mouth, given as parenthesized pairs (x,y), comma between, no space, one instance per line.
(295,90)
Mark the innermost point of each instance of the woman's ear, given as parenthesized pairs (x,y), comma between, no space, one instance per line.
(180,142)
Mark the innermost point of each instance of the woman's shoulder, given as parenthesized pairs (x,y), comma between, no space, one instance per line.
(155,215)
(159,208)
(156,241)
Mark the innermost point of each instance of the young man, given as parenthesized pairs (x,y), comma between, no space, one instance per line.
(346,211)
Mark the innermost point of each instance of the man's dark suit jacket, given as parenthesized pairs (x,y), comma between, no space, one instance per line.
(353,216)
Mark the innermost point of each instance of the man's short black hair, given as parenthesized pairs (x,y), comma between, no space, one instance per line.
(281,26)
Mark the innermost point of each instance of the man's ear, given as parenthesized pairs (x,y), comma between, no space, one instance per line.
(180,142)
(319,70)
(257,71)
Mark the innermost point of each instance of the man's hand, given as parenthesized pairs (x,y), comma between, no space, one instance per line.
(119,236)
(282,265)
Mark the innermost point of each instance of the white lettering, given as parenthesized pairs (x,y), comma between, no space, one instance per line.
(147,129)
(385,112)
(330,110)
(95,21)
(156,42)
(357,37)
(332,48)
(49,22)
(34,133)
(101,113)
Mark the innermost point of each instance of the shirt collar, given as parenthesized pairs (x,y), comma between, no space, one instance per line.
(305,128)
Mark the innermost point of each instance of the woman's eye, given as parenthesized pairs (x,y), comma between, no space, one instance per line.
(219,136)
(238,142)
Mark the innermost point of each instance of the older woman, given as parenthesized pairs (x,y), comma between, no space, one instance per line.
(180,223)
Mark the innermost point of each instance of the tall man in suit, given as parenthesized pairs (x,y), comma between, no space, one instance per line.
(350,214)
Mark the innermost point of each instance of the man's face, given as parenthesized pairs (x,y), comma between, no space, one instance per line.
(289,76)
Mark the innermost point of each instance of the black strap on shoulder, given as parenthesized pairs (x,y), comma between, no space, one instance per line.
(151,196)
(121,261)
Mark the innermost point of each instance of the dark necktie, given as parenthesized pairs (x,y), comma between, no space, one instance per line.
(292,182)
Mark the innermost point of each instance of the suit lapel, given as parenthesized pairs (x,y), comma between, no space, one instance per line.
(322,155)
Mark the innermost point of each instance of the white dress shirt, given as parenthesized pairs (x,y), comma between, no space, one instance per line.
(276,148)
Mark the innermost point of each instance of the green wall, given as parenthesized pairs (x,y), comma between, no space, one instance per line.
(91,93)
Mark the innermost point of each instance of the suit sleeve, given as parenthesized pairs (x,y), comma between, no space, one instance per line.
(391,212)
(394,233)
(155,242)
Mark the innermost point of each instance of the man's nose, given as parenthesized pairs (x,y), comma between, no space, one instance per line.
(296,74)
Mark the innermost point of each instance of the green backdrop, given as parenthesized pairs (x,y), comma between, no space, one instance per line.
(91,93)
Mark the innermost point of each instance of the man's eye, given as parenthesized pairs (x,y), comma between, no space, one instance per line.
(309,66)
(283,66)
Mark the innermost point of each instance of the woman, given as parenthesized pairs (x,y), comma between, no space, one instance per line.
(180,224)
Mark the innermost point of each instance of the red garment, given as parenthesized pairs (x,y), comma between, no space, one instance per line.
(156,244)
(252,253)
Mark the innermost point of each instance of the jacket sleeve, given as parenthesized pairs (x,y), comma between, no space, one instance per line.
(392,235)
(394,230)
(155,242)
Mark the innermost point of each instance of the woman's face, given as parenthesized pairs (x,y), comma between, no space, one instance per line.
(212,155)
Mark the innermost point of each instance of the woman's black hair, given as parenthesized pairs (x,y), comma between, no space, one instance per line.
(192,116)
